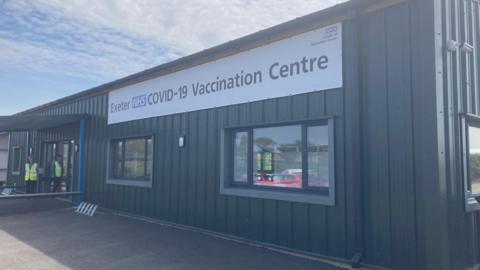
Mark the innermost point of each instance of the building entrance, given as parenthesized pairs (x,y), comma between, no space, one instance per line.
(62,152)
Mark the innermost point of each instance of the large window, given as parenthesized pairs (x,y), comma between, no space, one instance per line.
(16,159)
(288,162)
(474,159)
(471,146)
(132,159)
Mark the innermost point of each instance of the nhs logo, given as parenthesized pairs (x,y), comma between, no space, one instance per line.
(139,101)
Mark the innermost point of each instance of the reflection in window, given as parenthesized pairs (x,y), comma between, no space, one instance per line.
(292,157)
(149,162)
(474,158)
(65,155)
(318,158)
(278,156)
(290,162)
(118,159)
(132,158)
(240,164)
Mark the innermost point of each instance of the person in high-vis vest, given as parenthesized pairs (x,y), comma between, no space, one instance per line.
(31,176)
(56,173)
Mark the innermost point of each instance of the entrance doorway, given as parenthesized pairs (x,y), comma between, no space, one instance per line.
(65,151)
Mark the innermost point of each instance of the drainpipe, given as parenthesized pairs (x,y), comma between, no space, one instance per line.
(356,161)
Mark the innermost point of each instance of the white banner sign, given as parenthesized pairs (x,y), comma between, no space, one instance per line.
(304,63)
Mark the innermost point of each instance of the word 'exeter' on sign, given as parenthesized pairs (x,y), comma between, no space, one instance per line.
(308,62)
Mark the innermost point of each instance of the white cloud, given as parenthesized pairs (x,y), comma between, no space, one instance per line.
(104,39)
(190,25)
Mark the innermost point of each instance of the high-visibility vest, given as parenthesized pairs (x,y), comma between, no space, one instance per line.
(27,171)
(31,172)
(58,169)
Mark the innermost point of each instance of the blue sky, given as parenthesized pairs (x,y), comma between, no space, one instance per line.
(54,48)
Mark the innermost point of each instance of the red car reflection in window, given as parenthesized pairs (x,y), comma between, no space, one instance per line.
(279,180)
(290,180)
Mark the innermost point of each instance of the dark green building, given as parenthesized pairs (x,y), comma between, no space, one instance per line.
(352,133)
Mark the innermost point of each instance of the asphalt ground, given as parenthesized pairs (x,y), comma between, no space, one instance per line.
(47,234)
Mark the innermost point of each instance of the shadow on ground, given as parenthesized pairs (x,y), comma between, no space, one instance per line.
(46,234)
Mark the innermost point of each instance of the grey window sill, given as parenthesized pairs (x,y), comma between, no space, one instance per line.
(132,183)
(280,195)
(472,204)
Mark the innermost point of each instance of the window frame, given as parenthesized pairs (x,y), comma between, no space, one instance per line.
(472,200)
(307,194)
(146,180)
(19,161)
